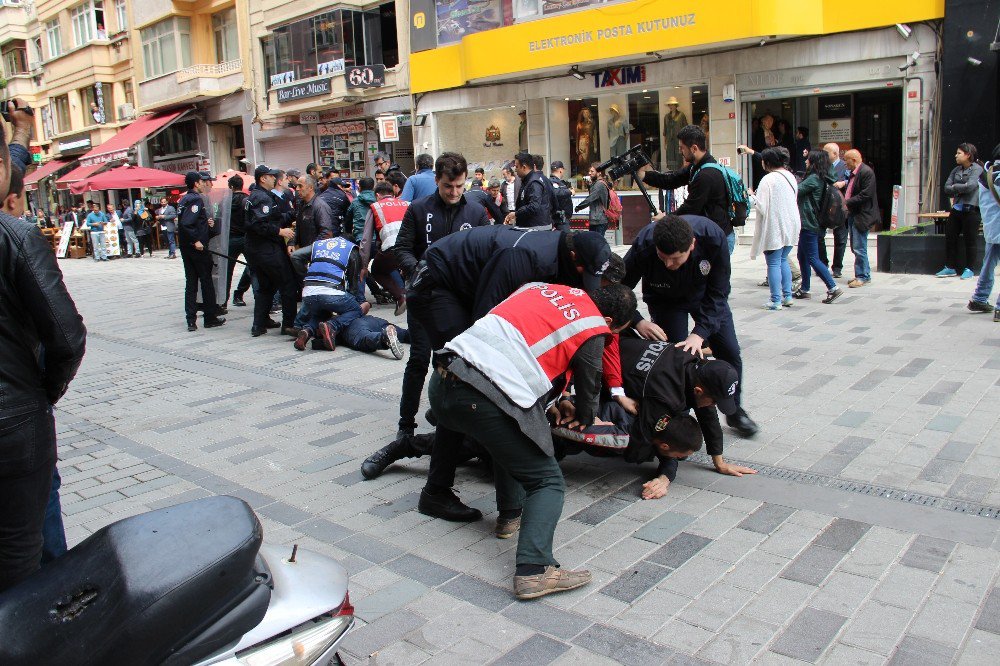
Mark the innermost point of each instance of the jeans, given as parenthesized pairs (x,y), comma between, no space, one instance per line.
(53,532)
(966,223)
(384,270)
(985,284)
(171,242)
(131,243)
(524,476)
(198,270)
(859,246)
(731,239)
(100,247)
(27,461)
(809,259)
(320,308)
(779,273)
(367,334)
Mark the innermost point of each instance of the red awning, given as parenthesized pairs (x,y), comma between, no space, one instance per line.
(78,173)
(126,177)
(44,171)
(117,147)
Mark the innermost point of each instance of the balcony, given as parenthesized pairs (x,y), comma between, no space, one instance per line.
(196,83)
(22,87)
(13,23)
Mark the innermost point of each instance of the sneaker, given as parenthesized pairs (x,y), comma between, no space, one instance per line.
(392,341)
(967,274)
(946,272)
(327,336)
(551,581)
(301,339)
(507,527)
(400,307)
(762,284)
(788,302)
(833,295)
(192,327)
(772,305)
(978,306)
(801,294)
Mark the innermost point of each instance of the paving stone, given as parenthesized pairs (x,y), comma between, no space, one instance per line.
(914,367)
(813,565)
(767,518)
(846,654)
(373,637)
(944,620)
(779,600)
(876,627)
(324,530)
(419,569)
(623,648)
(548,619)
(536,650)
(739,641)
(240,458)
(809,634)
(479,592)
(915,651)
(224,444)
(842,593)
(945,423)
(149,486)
(335,438)
(663,528)
(397,507)
(678,550)
(852,419)
(324,463)
(970,488)
(636,581)
(957,451)
(284,513)
(989,615)
(368,547)
(715,607)
(928,553)
(842,534)
(388,600)
(683,637)
(601,510)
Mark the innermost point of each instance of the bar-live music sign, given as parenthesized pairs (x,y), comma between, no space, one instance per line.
(300,90)
(620,76)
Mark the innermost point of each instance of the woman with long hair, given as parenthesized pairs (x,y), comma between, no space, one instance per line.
(777,227)
(964,218)
(810,197)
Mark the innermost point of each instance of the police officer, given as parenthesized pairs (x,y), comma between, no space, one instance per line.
(562,212)
(194,231)
(683,263)
(266,251)
(534,201)
(426,221)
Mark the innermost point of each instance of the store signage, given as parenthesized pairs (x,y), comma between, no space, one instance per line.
(835,131)
(492,137)
(308,117)
(77,142)
(834,106)
(609,33)
(193,163)
(330,68)
(329,129)
(405,119)
(423,25)
(620,76)
(366,76)
(388,128)
(897,191)
(345,113)
(67,233)
(282,78)
(302,90)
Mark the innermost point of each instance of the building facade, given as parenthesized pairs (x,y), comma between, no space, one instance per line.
(586,84)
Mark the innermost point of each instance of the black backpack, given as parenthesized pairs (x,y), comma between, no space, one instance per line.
(832,213)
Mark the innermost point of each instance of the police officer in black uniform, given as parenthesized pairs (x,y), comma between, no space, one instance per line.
(683,263)
(267,253)
(337,201)
(533,207)
(194,231)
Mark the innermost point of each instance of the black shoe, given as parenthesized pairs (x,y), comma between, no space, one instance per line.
(223,309)
(835,274)
(192,326)
(257,332)
(238,300)
(447,506)
(405,432)
(996,315)
(375,464)
(272,324)
(290,330)
(742,424)
(978,306)
(215,323)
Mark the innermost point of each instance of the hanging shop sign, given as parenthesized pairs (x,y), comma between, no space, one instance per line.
(74,143)
(303,90)
(308,117)
(388,128)
(365,76)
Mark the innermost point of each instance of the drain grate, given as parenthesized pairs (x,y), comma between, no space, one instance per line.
(870,489)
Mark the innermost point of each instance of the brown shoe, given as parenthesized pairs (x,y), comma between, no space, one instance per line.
(505,529)
(856,283)
(553,580)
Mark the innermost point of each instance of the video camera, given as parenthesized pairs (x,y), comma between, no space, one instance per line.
(627,163)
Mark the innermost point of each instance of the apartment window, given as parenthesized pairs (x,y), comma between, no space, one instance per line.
(178,138)
(226,36)
(166,46)
(127,89)
(61,105)
(54,38)
(121,14)
(88,22)
(15,60)
(92,104)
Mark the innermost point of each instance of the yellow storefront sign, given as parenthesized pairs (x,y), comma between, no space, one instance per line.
(645,26)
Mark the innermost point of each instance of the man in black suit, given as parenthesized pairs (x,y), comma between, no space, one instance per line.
(862,214)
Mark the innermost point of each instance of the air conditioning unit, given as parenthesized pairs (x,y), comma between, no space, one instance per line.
(126,111)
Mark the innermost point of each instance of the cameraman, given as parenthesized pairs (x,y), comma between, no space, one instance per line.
(533,201)
(707,194)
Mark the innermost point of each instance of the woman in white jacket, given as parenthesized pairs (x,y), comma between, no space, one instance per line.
(778,224)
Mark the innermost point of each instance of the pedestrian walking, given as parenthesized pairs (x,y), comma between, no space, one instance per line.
(127,216)
(596,201)
(965,215)
(989,206)
(839,172)
(778,225)
(811,193)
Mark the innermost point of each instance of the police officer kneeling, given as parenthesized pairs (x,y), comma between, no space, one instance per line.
(495,383)
(194,231)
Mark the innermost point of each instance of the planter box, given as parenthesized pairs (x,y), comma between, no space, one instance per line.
(916,252)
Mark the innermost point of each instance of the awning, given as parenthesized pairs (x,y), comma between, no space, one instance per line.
(44,171)
(127,177)
(78,173)
(117,147)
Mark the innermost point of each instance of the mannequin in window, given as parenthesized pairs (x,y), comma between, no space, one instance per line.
(673,121)
(522,132)
(617,132)
(586,139)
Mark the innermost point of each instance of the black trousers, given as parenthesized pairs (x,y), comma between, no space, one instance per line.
(198,269)
(442,316)
(964,222)
(237,246)
(415,372)
(839,248)
(27,460)
(274,275)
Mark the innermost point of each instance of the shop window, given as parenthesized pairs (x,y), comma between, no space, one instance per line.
(61,111)
(54,38)
(88,22)
(226,36)
(166,46)
(178,138)
(15,59)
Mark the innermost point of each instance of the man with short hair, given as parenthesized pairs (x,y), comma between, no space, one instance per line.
(313,219)
(397,179)
(534,202)
(382,225)
(839,173)
(358,211)
(338,202)
(237,240)
(479,179)
(379,177)
(266,249)
(863,215)
(510,187)
(166,215)
(196,229)
(96,219)
(423,183)
(313,170)
(556,170)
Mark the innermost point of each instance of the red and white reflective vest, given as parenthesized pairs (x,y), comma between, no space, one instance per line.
(388,219)
(527,341)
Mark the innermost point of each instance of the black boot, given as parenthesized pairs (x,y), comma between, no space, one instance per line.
(742,423)
(238,299)
(445,504)
(375,464)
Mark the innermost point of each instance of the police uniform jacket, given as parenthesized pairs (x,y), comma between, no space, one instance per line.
(192,220)
(263,221)
(700,287)
(661,378)
(427,221)
(534,202)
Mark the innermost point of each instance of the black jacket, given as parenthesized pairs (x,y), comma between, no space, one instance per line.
(262,218)
(700,286)
(862,205)
(237,213)
(707,192)
(562,204)
(42,336)
(427,221)
(314,222)
(483,198)
(337,202)
(192,221)
(534,202)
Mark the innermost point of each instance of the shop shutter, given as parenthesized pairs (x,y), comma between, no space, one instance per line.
(289,153)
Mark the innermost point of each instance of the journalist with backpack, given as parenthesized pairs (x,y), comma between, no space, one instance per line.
(814,198)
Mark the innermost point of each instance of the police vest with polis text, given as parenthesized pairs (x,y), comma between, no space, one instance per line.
(328,263)
(388,214)
(527,342)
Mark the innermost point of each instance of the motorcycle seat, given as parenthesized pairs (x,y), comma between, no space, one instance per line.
(142,589)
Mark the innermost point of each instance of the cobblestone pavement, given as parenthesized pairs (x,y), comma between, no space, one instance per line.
(892,391)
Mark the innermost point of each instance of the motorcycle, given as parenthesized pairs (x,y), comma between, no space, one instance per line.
(188,584)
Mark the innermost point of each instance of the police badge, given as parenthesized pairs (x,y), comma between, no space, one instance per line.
(194,209)
(705,267)
(661,425)
(266,209)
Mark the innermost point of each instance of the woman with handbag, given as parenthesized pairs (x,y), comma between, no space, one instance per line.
(777,228)
(810,200)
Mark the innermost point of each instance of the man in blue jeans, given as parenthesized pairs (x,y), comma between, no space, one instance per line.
(96,220)
(862,214)
(370,334)
(329,300)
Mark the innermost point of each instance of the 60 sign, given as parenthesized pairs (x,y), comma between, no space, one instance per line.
(365,76)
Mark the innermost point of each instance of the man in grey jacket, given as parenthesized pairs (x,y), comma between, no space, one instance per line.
(597,201)
(167,217)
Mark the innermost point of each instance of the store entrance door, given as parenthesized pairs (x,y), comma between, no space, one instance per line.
(878,134)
